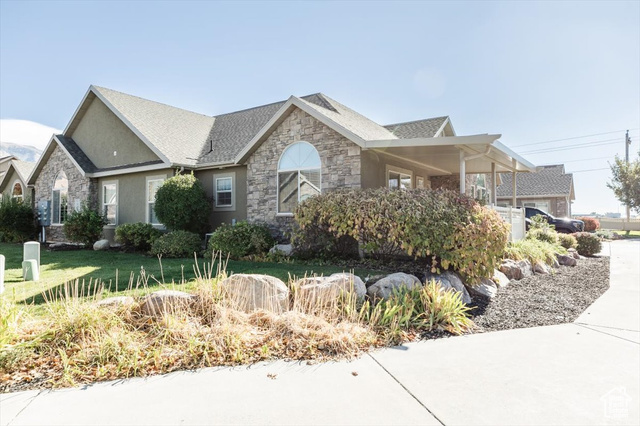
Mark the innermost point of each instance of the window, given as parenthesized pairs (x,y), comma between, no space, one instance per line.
(60,199)
(16,192)
(110,202)
(153,183)
(299,176)
(398,178)
(419,182)
(224,187)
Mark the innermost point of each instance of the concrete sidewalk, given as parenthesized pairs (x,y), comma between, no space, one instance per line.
(587,372)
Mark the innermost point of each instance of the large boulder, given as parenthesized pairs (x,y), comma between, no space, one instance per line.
(250,292)
(383,288)
(541,268)
(101,245)
(116,302)
(161,302)
(516,270)
(485,287)
(500,279)
(284,249)
(573,253)
(450,281)
(566,260)
(326,290)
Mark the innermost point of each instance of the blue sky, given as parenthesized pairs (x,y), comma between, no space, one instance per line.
(532,71)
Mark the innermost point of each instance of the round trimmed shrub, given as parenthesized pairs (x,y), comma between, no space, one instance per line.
(547,235)
(84,226)
(177,244)
(240,240)
(137,236)
(591,224)
(182,204)
(17,220)
(588,243)
(567,241)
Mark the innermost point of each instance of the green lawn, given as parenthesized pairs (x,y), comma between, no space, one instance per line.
(118,270)
(632,234)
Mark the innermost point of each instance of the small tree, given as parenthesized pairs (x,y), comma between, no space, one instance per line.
(182,204)
(625,182)
(84,226)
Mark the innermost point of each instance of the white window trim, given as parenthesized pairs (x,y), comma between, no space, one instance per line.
(117,204)
(278,171)
(225,175)
(146,198)
(393,169)
(17,182)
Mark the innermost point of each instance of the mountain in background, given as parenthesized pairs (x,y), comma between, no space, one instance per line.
(23,138)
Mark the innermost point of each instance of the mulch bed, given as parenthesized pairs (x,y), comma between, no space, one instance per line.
(544,299)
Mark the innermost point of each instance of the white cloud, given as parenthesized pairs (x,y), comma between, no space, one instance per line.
(430,82)
(27,133)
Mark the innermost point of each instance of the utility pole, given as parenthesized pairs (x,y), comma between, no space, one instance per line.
(627,142)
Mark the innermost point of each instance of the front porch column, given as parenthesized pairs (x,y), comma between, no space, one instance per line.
(494,185)
(463,173)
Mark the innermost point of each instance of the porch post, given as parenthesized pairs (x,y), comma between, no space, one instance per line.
(463,173)
(494,195)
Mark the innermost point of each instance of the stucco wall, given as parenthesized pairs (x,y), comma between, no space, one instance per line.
(374,170)
(341,167)
(239,212)
(100,133)
(8,182)
(80,188)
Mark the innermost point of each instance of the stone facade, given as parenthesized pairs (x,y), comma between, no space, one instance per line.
(452,182)
(341,164)
(83,189)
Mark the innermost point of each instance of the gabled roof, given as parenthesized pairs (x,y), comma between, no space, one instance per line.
(548,181)
(23,168)
(428,128)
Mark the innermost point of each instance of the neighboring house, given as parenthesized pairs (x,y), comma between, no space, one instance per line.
(14,174)
(255,164)
(550,190)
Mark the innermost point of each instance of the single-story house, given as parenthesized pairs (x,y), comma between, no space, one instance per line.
(256,164)
(550,190)
(13,177)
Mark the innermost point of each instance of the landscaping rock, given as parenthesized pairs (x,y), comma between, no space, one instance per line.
(573,253)
(452,282)
(285,249)
(500,279)
(486,288)
(383,288)
(165,301)
(541,268)
(566,260)
(250,292)
(326,290)
(116,302)
(516,270)
(101,245)
(346,280)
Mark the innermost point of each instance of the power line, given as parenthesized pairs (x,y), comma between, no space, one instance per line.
(608,157)
(575,137)
(590,170)
(582,145)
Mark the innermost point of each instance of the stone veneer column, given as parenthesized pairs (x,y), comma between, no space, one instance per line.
(341,165)
(80,187)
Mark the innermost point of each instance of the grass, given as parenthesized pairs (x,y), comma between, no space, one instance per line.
(628,234)
(72,340)
(535,251)
(116,270)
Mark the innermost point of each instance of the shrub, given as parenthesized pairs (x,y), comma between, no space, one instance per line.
(567,241)
(588,244)
(317,242)
(138,236)
(17,220)
(84,226)
(181,204)
(591,224)
(547,235)
(240,240)
(177,244)
(535,251)
(448,229)
(539,222)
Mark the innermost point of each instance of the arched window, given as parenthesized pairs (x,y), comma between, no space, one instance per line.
(60,198)
(16,192)
(298,175)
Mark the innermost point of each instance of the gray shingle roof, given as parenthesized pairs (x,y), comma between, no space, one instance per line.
(177,133)
(550,180)
(417,129)
(24,168)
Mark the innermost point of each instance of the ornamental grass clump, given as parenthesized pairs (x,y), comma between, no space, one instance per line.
(444,228)
(533,250)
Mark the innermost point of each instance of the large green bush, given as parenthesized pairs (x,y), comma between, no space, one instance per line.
(240,240)
(17,220)
(137,236)
(181,204)
(588,243)
(450,229)
(84,226)
(177,244)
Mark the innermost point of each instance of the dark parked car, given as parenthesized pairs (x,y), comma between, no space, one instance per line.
(564,225)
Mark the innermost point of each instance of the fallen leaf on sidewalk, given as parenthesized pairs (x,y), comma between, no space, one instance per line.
(272,376)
